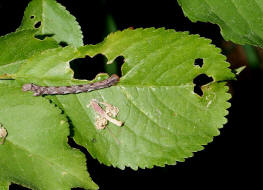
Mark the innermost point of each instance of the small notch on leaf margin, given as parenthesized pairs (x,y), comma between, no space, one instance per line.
(200,81)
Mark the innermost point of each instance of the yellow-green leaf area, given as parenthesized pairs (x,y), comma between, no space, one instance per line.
(4,185)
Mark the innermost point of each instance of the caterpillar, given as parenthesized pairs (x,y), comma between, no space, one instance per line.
(60,90)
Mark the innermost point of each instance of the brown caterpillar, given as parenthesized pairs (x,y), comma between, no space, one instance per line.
(56,90)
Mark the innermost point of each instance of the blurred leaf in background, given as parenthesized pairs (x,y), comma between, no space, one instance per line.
(110,26)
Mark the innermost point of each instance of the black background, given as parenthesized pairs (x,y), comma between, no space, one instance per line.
(231,160)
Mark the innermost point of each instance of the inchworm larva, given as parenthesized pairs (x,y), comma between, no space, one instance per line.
(55,90)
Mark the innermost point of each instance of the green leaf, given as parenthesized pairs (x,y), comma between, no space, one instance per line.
(54,71)
(35,152)
(54,19)
(164,120)
(16,47)
(51,68)
(240,21)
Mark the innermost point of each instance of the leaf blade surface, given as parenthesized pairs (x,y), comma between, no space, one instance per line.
(54,20)
(16,47)
(240,21)
(164,120)
(35,152)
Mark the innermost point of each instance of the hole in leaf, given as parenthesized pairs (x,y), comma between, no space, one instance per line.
(43,36)
(17,187)
(199,62)
(32,17)
(200,81)
(63,44)
(38,24)
(115,66)
(87,68)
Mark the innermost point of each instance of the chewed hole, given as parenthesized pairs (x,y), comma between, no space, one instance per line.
(43,36)
(32,17)
(38,24)
(17,187)
(200,81)
(115,66)
(87,68)
(199,62)
(63,44)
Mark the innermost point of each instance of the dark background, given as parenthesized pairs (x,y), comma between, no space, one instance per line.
(233,158)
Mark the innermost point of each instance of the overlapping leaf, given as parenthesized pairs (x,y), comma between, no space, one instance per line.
(240,21)
(35,153)
(52,19)
(164,120)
